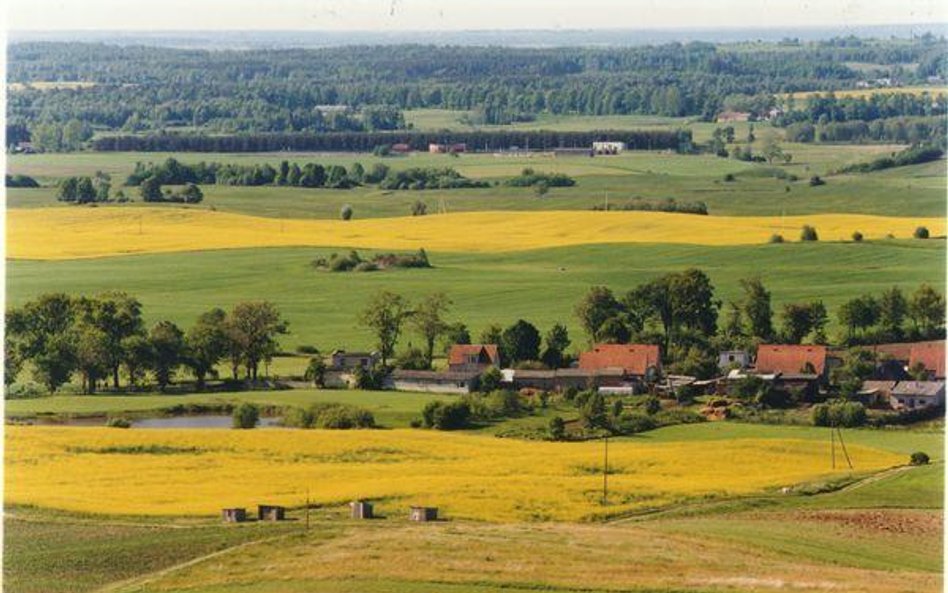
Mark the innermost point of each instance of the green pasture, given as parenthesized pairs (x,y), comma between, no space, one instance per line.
(542,286)
(917,190)
(390,408)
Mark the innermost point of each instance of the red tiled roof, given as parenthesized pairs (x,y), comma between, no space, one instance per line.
(790,359)
(460,353)
(632,358)
(930,354)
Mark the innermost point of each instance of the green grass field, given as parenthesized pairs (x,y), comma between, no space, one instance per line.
(916,190)
(391,409)
(322,307)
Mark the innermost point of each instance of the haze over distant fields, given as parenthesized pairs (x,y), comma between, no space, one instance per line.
(282,23)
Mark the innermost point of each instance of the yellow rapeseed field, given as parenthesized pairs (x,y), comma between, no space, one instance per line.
(197,472)
(66,233)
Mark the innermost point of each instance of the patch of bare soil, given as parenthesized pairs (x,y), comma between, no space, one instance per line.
(884,520)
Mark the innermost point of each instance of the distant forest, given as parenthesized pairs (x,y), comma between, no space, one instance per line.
(365,88)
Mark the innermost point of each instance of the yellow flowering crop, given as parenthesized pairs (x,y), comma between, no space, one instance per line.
(66,233)
(197,472)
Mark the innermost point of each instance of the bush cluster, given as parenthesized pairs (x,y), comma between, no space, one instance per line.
(353,262)
(330,416)
(529,178)
(843,413)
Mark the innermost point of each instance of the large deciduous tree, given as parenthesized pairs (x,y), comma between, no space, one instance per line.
(385,314)
(167,349)
(254,326)
(206,344)
(428,320)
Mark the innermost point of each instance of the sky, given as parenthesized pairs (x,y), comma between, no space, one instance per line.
(448,15)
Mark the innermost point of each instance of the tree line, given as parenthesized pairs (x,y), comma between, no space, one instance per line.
(105,337)
(150,89)
(678,140)
(679,311)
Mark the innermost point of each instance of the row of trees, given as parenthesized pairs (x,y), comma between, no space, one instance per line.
(99,337)
(893,316)
(680,312)
(678,140)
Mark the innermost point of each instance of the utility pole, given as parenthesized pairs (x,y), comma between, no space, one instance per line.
(605,473)
(833,447)
(307,509)
(839,433)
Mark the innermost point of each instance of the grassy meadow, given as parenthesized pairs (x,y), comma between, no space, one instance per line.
(391,409)
(617,180)
(486,288)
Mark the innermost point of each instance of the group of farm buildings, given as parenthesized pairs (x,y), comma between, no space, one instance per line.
(637,368)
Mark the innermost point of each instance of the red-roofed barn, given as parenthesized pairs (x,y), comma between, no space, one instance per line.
(931,355)
(633,359)
(791,359)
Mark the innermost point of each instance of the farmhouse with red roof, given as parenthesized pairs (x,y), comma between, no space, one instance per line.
(634,359)
(791,359)
(931,355)
(473,357)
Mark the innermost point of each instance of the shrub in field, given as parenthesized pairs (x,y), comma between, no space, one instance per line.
(857,236)
(816,180)
(246,415)
(346,212)
(651,405)
(119,422)
(557,429)
(776,238)
(919,458)
(634,423)
(808,234)
(329,416)
(920,233)
(446,416)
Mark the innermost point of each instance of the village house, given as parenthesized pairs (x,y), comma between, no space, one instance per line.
(447,148)
(639,362)
(876,393)
(608,147)
(930,355)
(450,382)
(473,357)
(914,395)
(733,116)
(792,359)
(733,359)
(894,360)
(612,379)
(341,367)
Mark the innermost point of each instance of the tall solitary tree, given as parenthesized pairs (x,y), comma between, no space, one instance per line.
(428,320)
(385,314)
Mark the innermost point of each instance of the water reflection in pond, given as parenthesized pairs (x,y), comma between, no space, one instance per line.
(206,421)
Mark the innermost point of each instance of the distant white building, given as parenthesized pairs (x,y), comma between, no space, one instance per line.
(608,147)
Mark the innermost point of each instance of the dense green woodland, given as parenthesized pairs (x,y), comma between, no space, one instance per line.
(149,89)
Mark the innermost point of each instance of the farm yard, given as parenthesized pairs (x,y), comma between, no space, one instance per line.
(561,352)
